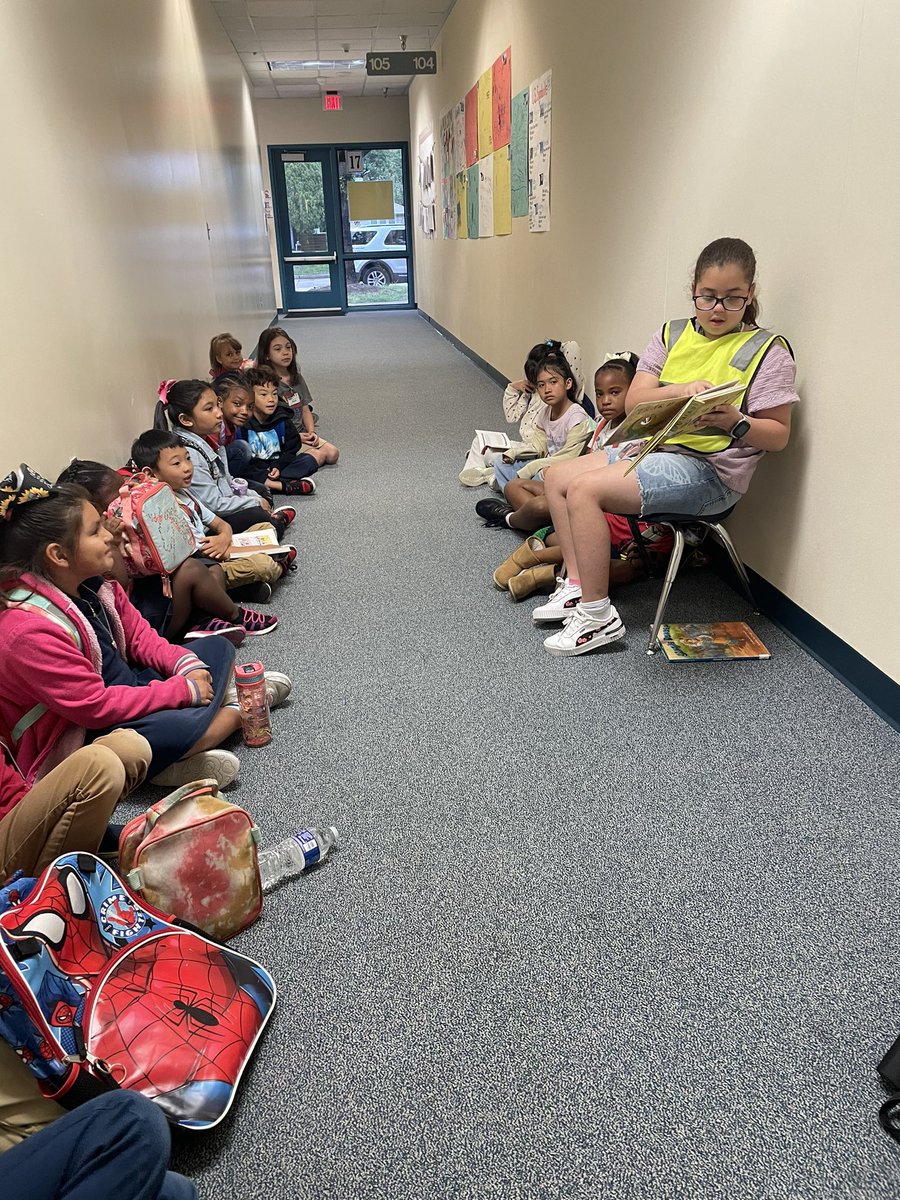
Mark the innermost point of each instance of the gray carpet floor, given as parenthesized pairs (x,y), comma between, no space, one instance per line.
(604,927)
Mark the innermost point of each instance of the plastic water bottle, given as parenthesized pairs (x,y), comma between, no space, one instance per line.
(253,700)
(302,849)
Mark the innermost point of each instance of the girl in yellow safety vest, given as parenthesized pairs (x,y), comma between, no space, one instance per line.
(697,474)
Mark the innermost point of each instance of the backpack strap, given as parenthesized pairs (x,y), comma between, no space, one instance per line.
(35,602)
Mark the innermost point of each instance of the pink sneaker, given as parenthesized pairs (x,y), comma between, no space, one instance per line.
(257,623)
(218,628)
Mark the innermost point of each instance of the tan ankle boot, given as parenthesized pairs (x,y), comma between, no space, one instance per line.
(528,581)
(520,559)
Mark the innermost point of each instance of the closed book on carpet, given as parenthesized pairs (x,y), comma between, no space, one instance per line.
(716,641)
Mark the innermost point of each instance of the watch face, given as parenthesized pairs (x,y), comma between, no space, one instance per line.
(740,428)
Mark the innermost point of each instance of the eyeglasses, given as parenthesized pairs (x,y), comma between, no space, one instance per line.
(729,303)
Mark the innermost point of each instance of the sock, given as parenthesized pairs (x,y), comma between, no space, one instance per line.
(596,608)
(506,520)
(574,581)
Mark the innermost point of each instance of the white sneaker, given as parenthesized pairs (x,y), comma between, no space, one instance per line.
(584,632)
(278,687)
(561,604)
(220,765)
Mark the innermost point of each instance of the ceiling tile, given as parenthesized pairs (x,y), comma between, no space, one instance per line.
(281,8)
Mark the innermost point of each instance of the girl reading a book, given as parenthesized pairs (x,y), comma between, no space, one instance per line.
(698,474)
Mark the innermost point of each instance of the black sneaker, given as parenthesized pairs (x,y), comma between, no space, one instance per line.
(493,510)
(109,843)
(252,593)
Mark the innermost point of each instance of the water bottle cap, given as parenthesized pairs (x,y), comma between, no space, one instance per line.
(249,673)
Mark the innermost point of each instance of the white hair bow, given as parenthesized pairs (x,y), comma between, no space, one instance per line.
(625,354)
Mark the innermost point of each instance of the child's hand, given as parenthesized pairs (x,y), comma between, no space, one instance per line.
(726,416)
(274,473)
(522,385)
(695,388)
(114,525)
(309,439)
(202,680)
(216,545)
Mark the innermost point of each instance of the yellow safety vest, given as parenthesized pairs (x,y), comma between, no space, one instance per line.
(692,356)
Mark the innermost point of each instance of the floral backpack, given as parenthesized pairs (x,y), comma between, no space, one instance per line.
(156,534)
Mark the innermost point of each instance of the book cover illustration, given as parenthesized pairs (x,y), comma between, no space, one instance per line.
(716,641)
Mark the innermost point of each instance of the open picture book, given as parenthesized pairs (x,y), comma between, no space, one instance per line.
(658,420)
(256,541)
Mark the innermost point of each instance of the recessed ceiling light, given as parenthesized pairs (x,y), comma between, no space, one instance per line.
(317,64)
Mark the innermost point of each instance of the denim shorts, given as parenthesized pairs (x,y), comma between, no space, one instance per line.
(679,483)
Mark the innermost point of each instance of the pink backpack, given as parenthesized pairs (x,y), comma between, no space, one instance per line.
(156,535)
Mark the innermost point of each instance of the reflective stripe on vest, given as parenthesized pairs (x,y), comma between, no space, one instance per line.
(692,356)
(35,602)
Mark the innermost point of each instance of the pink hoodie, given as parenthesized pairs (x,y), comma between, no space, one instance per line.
(40,664)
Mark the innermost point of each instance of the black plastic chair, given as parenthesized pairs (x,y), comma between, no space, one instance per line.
(678,522)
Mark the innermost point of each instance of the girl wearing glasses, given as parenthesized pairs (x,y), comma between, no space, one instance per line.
(696,474)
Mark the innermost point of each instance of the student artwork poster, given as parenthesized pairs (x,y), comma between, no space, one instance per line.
(501,91)
(462,215)
(471,103)
(485,114)
(518,154)
(539,106)
(448,189)
(472,201)
(486,197)
(502,198)
(459,137)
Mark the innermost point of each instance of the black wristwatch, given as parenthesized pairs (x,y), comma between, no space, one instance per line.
(741,428)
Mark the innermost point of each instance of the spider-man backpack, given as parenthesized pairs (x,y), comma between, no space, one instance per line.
(98,990)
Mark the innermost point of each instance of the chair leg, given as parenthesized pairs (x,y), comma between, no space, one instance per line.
(721,534)
(671,572)
(641,545)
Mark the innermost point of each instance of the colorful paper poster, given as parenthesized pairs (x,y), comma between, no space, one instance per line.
(485,115)
(427,189)
(518,151)
(462,216)
(448,188)
(370,200)
(486,197)
(472,201)
(502,192)
(539,106)
(501,91)
(459,137)
(472,126)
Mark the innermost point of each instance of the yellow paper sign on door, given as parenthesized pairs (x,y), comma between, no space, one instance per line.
(370,200)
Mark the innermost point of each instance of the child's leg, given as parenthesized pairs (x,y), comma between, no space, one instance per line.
(534,513)
(519,491)
(587,497)
(69,809)
(557,481)
(251,568)
(198,586)
(226,722)
(304,465)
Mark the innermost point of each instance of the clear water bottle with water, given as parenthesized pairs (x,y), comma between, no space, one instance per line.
(302,849)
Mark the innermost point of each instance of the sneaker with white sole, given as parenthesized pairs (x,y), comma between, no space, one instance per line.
(278,688)
(561,604)
(583,632)
(220,765)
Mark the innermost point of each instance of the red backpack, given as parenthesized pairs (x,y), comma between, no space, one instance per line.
(156,534)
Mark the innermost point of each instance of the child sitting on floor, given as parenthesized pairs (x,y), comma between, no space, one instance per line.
(163,455)
(225,354)
(279,459)
(236,401)
(76,658)
(278,350)
(198,587)
(561,431)
(191,408)
(524,505)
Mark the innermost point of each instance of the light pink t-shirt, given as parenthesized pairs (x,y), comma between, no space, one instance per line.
(557,431)
(772,385)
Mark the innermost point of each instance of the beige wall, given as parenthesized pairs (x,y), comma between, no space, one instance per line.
(126,129)
(305,123)
(673,125)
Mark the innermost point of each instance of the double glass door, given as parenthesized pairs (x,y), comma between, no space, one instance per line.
(342,227)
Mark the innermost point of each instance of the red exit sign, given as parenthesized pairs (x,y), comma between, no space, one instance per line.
(331,101)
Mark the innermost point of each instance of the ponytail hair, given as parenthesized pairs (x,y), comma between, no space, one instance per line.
(177,398)
(31,528)
(730,252)
(100,482)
